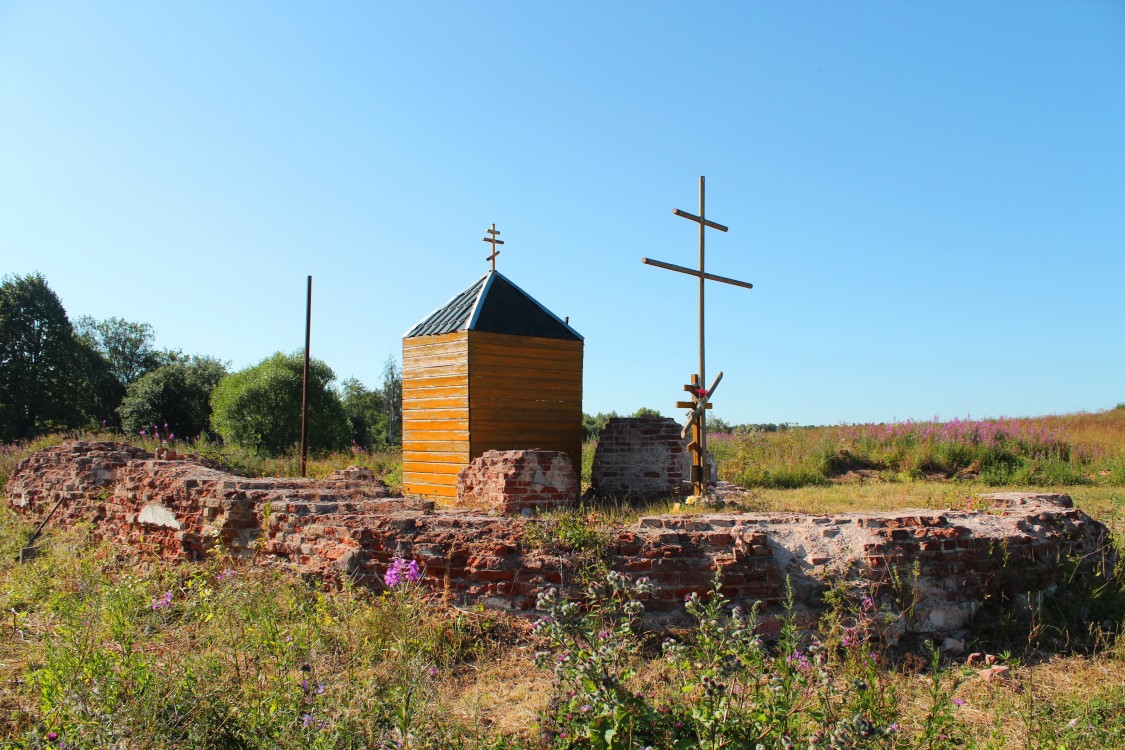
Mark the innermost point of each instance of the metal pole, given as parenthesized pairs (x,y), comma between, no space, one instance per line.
(701,489)
(305,382)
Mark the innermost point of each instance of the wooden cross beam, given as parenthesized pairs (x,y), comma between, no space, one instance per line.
(698,421)
(693,272)
(494,232)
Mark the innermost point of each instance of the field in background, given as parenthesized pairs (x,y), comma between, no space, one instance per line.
(1075,449)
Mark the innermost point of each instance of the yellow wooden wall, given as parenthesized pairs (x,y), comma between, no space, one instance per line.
(525,392)
(435,413)
(468,392)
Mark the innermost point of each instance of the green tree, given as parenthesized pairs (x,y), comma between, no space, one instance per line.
(177,395)
(593,424)
(367,412)
(44,370)
(392,398)
(260,407)
(124,352)
(718,424)
(125,345)
(645,411)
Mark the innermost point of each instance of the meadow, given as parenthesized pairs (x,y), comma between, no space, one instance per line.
(100,649)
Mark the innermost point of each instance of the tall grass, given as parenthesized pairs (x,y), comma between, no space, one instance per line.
(1048,451)
(101,651)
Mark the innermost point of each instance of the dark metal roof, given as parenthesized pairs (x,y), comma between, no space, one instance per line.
(452,316)
(493,303)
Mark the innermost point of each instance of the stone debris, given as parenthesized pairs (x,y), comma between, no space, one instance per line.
(954,646)
(999,673)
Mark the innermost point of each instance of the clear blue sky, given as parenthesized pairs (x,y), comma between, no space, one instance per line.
(928,197)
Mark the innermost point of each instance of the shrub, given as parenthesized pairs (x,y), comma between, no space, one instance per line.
(177,394)
(260,407)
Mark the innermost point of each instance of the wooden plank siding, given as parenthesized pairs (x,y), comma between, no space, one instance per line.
(435,413)
(525,392)
(468,392)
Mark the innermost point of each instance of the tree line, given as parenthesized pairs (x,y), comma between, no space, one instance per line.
(593,424)
(88,374)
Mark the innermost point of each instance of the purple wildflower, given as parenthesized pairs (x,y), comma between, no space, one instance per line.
(798,660)
(413,571)
(958,701)
(162,602)
(307,720)
(868,603)
(401,571)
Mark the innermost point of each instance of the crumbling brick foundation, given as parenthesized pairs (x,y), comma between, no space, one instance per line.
(347,525)
(518,482)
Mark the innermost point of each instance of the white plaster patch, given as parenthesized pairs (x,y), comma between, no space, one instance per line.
(541,479)
(158,515)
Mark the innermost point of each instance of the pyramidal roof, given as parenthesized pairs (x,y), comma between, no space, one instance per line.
(494,304)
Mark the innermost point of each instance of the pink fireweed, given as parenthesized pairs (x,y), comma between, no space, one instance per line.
(402,571)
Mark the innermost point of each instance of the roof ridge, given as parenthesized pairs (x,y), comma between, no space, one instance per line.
(497,308)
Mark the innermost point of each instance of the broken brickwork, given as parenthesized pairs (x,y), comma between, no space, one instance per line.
(951,561)
(639,457)
(518,482)
(642,458)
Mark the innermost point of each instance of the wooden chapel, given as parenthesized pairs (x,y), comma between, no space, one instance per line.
(491,369)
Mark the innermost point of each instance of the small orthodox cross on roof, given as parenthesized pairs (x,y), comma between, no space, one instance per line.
(494,232)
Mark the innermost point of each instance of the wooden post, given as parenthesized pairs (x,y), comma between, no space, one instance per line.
(698,484)
(699,488)
(305,381)
(698,423)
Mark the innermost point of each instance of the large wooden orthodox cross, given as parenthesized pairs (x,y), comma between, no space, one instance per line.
(494,232)
(697,420)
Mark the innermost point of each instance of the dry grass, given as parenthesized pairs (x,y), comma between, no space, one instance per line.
(1080,697)
(500,696)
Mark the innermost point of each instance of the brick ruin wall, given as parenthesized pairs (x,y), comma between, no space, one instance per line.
(518,482)
(642,457)
(348,525)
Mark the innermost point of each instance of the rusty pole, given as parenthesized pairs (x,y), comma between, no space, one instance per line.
(305,382)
